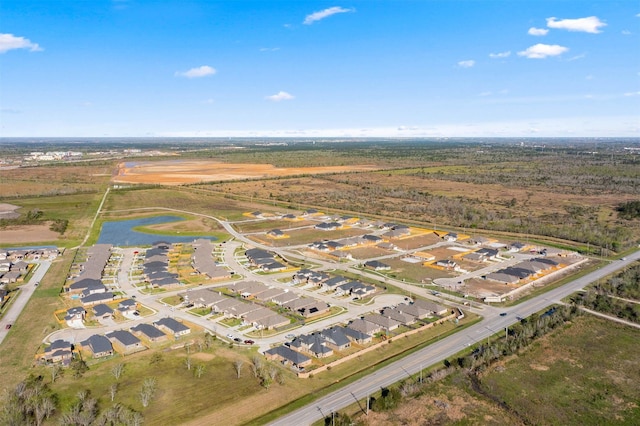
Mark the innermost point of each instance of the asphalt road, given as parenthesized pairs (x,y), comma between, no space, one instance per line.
(441,350)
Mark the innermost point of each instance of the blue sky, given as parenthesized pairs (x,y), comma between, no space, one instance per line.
(314,68)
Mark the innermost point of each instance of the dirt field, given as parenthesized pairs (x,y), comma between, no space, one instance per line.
(177,172)
(27,234)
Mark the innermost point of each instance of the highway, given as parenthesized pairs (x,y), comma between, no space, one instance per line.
(441,350)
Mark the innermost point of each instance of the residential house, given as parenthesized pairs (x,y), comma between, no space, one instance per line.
(284,298)
(313,343)
(75,317)
(433,307)
(59,351)
(172,327)
(149,332)
(451,236)
(102,311)
(397,315)
(447,264)
(317,308)
(203,262)
(288,356)
(273,321)
(299,303)
(377,265)
(357,336)
(96,298)
(98,345)
(365,327)
(275,233)
(332,283)
(336,338)
(386,323)
(125,341)
(328,226)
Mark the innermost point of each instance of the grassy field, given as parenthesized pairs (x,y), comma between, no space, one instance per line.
(585,374)
(34,323)
(568,377)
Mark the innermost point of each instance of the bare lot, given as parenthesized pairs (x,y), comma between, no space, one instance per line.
(27,234)
(177,172)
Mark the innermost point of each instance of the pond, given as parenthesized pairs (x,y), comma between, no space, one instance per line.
(121,233)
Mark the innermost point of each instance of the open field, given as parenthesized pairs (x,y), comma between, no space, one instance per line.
(54,180)
(27,234)
(178,172)
(570,376)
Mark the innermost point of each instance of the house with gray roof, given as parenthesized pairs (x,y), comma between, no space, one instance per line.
(75,317)
(172,327)
(377,265)
(59,351)
(357,336)
(317,308)
(284,298)
(397,315)
(384,322)
(288,356)
(273,321)
(299,303)
(203,262)
(149,332)
(336,338)
(431,306)
(125,342)
(102,311)
(313,343)
(96,298)
(365,327)
(98,345)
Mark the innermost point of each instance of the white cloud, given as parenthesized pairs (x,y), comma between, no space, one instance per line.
(590,24)
(485,93)
(198,72)
(269,49)
(317,16)
(626,32)
(575,58)
(632,94)
(500,54)
(541,51)
(280,96)
(467,64)
(589,77)
(11,42)
(537,31)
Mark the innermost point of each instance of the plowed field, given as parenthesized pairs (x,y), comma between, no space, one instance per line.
(177,172)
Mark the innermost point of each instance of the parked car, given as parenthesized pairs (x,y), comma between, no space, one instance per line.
(230,336)
(249,342)
(289,336)
(237,339)
(8,326)
(503,314)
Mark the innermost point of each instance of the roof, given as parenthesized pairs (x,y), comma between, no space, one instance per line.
(124,337)
(102,309)
(336,335)
(172,325)
(294,357)
(148,330)
(97,297)
(98,344)
(385,322)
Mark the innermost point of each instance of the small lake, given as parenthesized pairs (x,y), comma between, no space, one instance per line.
(121,233)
